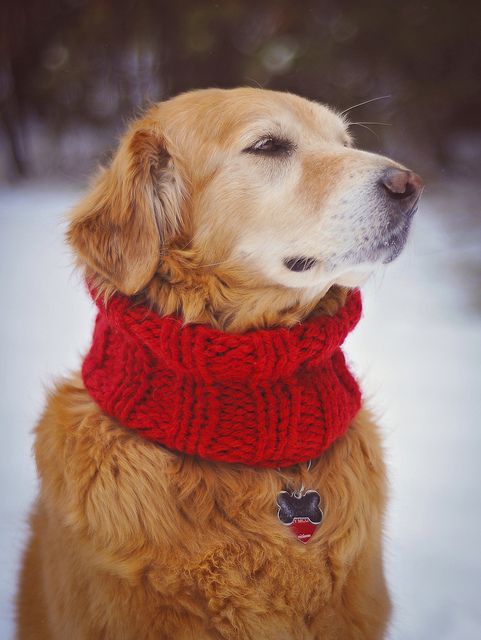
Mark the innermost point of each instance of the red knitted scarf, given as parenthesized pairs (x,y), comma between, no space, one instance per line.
(267,398)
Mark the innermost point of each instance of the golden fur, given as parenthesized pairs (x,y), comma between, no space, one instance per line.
(130,541)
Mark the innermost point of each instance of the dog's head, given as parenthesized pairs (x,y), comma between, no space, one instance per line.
(245,190)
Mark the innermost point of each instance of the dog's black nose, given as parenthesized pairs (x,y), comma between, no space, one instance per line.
(401,184)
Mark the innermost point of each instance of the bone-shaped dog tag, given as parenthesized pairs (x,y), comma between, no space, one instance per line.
(300,512)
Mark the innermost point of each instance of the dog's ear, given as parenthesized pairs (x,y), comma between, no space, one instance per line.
(120,229)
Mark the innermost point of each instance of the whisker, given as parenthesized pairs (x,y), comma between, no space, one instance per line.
(366,127)
(253,80)
(354,106)
(385,124)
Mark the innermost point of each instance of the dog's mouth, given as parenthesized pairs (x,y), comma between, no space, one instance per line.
(299,263)
(384,249)
(394,242)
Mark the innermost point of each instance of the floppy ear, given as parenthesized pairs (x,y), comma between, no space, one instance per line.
(119,230)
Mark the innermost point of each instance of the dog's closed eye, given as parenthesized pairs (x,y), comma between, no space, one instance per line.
(271,146)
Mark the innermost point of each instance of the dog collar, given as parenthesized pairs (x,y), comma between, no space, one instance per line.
(267,397)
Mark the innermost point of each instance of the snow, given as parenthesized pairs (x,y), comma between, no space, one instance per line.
(418,354)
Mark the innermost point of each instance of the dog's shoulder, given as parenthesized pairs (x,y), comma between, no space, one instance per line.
(102,479)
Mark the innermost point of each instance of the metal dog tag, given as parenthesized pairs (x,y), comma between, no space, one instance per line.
(300,512)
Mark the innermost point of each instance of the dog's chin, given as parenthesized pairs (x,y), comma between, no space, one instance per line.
(391,246)
(382,250)
(355,276)
(395,246)
(352,277)
(366,260)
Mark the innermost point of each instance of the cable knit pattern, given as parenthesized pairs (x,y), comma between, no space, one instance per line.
(268,398)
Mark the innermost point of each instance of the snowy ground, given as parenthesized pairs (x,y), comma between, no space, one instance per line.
(417,350)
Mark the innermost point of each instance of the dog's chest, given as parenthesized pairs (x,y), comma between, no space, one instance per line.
(251,582)
(243,565)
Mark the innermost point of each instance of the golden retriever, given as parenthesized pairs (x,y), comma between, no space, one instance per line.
(241,209)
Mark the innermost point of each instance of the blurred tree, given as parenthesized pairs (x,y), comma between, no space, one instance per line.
(65,63)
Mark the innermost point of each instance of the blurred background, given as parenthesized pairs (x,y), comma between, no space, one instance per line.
(74,72)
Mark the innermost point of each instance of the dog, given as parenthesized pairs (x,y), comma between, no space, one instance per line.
(237,213)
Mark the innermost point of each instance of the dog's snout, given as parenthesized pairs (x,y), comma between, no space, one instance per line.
(401,184)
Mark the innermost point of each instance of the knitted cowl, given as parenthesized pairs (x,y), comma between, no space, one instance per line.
(267,397)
